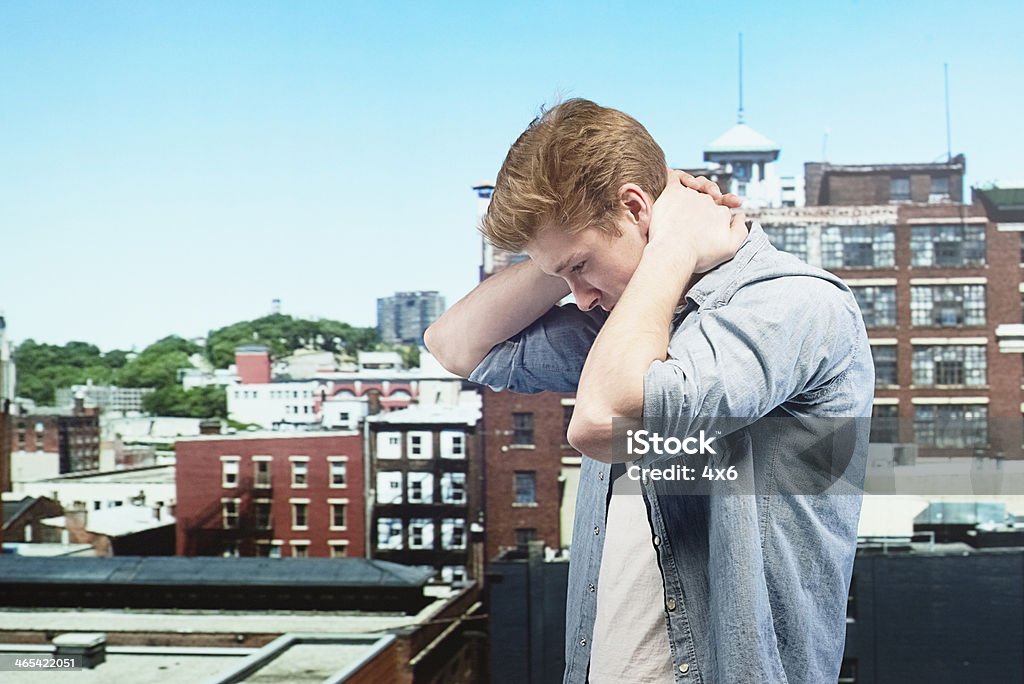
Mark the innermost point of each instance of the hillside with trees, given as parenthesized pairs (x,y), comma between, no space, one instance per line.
(44,368)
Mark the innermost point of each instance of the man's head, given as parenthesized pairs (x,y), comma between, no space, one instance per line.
(575,193)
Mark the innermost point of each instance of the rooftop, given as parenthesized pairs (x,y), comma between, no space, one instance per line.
(161,474)
(956,164)
(741,138)
(211,571)
(119,521)
(271,434)
(426,414)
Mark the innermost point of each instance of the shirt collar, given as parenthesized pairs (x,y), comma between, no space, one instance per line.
(725,273)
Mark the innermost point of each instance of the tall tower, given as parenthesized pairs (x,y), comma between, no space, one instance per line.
(6,364)
(746,155)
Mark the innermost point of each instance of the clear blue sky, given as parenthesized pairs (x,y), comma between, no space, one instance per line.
(172,167)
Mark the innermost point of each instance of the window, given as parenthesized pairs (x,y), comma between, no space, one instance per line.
(389,533)
(939,191)
(263,514)
(262,468)
(524,536)
(451,574)
(899,189)
(420,445)
(858,246)
(300,473)
(339,548)
(950,364)
(792,239)
(947,306)
(453,488)
(300,515)
(229,471)
(522,429)
(230,550)
(339,515)
(389,487)
(951,426)
(877,305)
(421,533)
(229,513)
(948,245)
(453,444)
(300,549)
(885,423)
(884,357)
(420,487)
(389,445)
(526,488)
(453,533)
(339,471)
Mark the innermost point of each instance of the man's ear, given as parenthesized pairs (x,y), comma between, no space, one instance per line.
(637,205)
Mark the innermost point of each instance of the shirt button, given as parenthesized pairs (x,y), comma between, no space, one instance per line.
(657,540)
(684,668)
(591,588)
(671,603)
(583,642)
(600,475)
(597,530)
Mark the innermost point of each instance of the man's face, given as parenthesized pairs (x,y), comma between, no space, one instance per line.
(597,266)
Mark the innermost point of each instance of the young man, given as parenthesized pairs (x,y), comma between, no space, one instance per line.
(687,323)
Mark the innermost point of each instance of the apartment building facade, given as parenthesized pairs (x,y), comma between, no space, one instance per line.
(277,495)
(936,280)
(425,489)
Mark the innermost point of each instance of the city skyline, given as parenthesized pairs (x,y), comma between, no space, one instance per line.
(170,169)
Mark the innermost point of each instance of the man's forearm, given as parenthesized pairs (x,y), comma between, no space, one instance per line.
(495,310)
(635,334)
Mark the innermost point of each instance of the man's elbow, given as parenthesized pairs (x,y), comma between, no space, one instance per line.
(442,349)
(591,437)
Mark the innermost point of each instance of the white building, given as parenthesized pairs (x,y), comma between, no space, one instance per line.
(275,405)
(749,158)
(152,487)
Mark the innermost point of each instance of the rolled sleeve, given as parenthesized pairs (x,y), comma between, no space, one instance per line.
(546,356)
(732,365)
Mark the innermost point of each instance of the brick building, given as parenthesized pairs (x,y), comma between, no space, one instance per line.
(937,280)
(271,494)
(426,489)
(531,469)
(46,442)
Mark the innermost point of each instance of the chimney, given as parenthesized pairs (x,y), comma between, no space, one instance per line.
(210,427)
(79,408)
(373,406)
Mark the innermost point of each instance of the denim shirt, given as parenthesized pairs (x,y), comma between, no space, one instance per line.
(773,353)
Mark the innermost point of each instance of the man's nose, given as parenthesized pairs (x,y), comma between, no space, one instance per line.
(586,297)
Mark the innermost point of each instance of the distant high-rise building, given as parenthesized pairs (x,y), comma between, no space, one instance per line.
(6,364)
(403,318)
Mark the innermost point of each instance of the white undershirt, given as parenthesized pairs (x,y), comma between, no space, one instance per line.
(630,641)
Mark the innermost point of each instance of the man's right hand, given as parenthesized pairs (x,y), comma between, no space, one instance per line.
(692,220)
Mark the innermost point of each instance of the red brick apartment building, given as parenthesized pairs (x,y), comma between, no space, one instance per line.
(290,495)
(530,469)
(939,285)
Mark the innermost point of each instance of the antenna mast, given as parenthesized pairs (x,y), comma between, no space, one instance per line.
(949,145)
(739,115)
